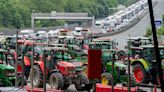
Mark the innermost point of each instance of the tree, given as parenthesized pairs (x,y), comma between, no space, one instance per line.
(17,13)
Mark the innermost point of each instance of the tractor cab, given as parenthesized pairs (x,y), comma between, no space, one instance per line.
(106,44)
(25,54)
(135,52)
(144,63)
(55,54)
(7,72)
(149,54)
(8,42)
(138,41)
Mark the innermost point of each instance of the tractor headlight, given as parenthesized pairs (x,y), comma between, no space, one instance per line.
(9,73)
(71,70)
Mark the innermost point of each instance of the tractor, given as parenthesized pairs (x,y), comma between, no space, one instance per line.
(144,64)
(79,57)
(138,41)
(120,74)
(7,72)
(25,54)
(59,71)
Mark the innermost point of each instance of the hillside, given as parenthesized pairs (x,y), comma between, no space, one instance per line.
(17,13)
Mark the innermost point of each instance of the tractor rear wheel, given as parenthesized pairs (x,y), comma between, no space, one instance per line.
(56,81)
(139,73)
(106,79)
(81,82)
(37,76)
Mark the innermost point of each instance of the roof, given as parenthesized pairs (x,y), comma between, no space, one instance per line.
(64,37)
(146,46)
(135,38)
(136,48)
(58,45)
(2,50)
(21,41)
(30,42)
(107,43)
(55,48)
(151,46)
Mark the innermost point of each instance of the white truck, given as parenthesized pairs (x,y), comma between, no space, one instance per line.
(42,34)
(78,31)
(27,33)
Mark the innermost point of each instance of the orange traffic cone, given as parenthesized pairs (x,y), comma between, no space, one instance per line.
(155,88)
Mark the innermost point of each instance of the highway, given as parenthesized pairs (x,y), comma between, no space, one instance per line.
(140,28)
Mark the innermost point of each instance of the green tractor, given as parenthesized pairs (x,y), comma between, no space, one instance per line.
(144,64)
(120,73)
(138,41)
(7,72)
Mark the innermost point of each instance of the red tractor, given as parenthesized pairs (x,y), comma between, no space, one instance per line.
(25,55)
(60,73)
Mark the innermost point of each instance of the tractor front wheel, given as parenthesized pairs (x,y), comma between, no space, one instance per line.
(37,76)
(81,82)
(85,69)
(56,80)
(106,79)
(139,73)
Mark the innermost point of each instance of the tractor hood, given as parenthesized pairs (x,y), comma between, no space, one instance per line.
(6,67)
(120,65)
(116,64)
(66,64)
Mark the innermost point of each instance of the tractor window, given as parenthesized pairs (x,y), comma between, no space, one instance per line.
(1,57)
(136,52)
(162,53)
(149,54)
(62,55)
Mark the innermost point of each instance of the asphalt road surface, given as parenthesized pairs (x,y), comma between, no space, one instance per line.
(140,28)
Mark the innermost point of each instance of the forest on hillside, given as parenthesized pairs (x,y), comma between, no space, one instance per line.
(17,13)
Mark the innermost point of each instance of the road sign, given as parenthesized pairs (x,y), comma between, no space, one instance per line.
(158,23)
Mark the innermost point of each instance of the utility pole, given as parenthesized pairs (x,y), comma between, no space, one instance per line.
(158,60)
